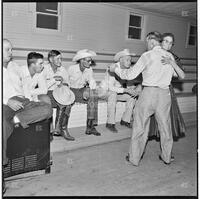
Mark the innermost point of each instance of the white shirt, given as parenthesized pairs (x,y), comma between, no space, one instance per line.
(12,85)
(78,79)
(29,83)
(113,84)
(49,76)
(153,71)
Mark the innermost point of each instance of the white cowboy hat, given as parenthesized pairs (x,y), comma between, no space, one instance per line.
(83,54)
(123,53)
(63,95)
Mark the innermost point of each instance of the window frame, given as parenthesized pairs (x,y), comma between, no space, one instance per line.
(188,35)
(128,26)
(47,30)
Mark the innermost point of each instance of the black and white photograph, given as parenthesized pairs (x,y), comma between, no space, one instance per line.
(99,99)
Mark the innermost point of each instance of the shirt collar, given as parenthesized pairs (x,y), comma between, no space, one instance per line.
(156,47)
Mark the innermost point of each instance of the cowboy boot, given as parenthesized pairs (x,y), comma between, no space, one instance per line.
(64,129)
(59,113)
(90,129)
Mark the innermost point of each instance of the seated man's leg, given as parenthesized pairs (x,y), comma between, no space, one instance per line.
(92,113)
(65,113)
(34,112)
(130,103)
(111,111)
(8,115)
(55,131)
(85,95)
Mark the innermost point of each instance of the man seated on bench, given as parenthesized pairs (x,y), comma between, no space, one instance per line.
(83,84)
(119,91)
(19,96)
(56,75)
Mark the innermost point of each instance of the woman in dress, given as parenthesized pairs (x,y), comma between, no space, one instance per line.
(177,122)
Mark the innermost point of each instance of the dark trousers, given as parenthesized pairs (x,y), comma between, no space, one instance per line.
(31,113)
(88,96)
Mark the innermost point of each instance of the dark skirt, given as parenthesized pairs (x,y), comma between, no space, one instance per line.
(177,122)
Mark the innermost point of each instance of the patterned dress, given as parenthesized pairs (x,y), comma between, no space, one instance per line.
(177,122)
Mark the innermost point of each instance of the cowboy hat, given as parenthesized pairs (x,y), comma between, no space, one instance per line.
(123,53)
(63,95)
(83,54)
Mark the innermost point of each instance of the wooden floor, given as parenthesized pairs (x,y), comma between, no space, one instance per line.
(101,170)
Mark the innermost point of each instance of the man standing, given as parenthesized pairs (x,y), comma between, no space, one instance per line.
(56,75)
(154,99)
(117,92)
(14,101)
(83,84)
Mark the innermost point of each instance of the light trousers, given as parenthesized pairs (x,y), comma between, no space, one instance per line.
(151,100)
(113,98)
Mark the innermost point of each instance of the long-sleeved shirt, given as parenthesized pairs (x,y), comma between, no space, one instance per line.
(78,79)
(153,71)
(12,85)
(113,84)
(32,86)
(49,74)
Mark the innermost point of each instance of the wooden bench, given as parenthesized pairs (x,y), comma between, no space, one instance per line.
(183,89)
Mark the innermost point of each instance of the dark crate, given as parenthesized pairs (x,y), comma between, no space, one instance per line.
(29,149)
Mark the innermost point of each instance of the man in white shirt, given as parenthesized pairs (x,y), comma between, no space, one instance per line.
(157,68)
(56,75)
(83,84)
(33,82)
(116,92)
(14,101)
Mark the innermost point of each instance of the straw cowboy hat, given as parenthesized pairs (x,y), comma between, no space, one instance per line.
(63,95)
(123,53)
(83,54)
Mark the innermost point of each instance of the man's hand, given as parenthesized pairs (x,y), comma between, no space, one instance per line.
(14,104)
(58,78)
(112,67)
(131,91)
(138,88)
(166,60)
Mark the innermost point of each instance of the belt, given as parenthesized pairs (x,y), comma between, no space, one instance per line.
(152,86)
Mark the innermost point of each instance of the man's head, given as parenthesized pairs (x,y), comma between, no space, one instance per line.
(84,58)
(125,61)
(124,58)
(7,51)
(35,62)
(55,58)
(153,39)
(167,41)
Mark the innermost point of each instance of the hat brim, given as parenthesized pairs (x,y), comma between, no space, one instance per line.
(119,55)
(79,56)
(64,100)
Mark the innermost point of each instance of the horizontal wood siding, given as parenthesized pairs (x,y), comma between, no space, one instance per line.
(96,26)
(102,28)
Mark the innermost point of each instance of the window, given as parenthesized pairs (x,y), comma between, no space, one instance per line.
(135,26)
(192,36)
(47,16)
